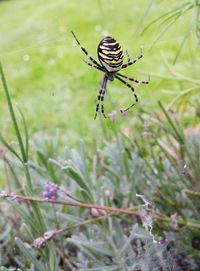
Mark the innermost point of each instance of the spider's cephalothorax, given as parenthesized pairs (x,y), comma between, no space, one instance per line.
(110,55)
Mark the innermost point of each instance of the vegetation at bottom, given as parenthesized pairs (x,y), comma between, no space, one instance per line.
(45,66)
(133,205)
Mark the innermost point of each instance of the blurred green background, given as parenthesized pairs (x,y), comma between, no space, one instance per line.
(56,89)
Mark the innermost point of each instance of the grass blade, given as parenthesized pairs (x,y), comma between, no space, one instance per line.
(10,148)
(30,256)
(12,113)
(25,131)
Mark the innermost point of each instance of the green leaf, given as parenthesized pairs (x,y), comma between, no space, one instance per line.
(79,180)
(52,256)
(28,219)
(25,132)
(29,255)
(6,144)
(12,113)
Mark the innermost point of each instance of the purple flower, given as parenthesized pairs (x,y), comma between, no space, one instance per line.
(50,191)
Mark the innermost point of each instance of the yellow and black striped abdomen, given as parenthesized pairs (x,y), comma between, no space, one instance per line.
(110,54)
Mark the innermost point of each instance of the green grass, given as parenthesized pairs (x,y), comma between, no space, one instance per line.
(50,82)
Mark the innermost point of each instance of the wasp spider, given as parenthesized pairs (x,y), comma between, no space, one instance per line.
(110,56)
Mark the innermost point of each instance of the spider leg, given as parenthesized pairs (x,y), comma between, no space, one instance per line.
(133,80)
(128,56)
(85,51)
(94,66)
(132,89)
(102,110)
(133,61)
(101,97)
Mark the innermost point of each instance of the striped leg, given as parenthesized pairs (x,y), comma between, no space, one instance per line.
(133,61)
(102,110)
(94,66)
(101,97)
(85,52)
(134,80)
(132,89)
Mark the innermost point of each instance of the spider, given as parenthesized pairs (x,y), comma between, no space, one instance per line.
(110,56)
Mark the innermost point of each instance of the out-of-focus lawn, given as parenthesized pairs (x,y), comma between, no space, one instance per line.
(46,73)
